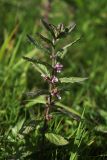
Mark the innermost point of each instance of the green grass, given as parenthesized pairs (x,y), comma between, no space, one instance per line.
(86,58)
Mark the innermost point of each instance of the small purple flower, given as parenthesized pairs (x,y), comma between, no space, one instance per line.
(54,79)
(58,67)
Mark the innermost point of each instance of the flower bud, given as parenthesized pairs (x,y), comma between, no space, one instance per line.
(54,79)
(58,67)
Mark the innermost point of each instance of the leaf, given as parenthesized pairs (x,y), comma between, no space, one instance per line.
(56,139)
(38,100)
(39,65)
(34,42)
(61,53)
(36,93)
(17,127)
(67,109)
(45,39)
(6,42)
(71,27)
(70,114)
(42,69)
(80,134)
(63,50)
(101,128)
(72,80)
(62,35)
(34,60)
(28,127)
(48,27)
(70,44)
(65,32)
(12,60)
(21,61)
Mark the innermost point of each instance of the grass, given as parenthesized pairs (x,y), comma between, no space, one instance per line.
(87,58)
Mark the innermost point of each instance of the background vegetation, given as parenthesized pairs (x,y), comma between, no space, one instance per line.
(86,58)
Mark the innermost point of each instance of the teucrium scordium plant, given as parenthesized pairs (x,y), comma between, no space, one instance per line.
(50,70)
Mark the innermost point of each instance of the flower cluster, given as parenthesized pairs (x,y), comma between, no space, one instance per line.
(58,67)
(53,79)
(49,45)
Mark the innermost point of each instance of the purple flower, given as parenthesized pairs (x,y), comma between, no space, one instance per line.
(54,79)
(58,67)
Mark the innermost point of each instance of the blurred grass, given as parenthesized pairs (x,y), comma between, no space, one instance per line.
(87,58)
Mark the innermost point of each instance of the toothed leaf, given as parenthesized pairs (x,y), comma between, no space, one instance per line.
(34,60)
(37,45)
(44,39)
(48,27)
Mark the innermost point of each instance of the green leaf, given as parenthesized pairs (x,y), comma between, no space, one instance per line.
(48,41)
(56,139)
(65,31)
(49,27)
(34,42)
(34,60)
(6,42)
(17,127)
(101,128)
(39,65)
(79,136)
(38,100)
(36,93)
(69,114)
(12,60)
(71,27)
(67,109)
(41,69)
(70,44)
(61,53)
(28,127)
(72,80)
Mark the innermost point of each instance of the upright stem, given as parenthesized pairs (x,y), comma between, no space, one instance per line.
(48,99)
(51,86)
